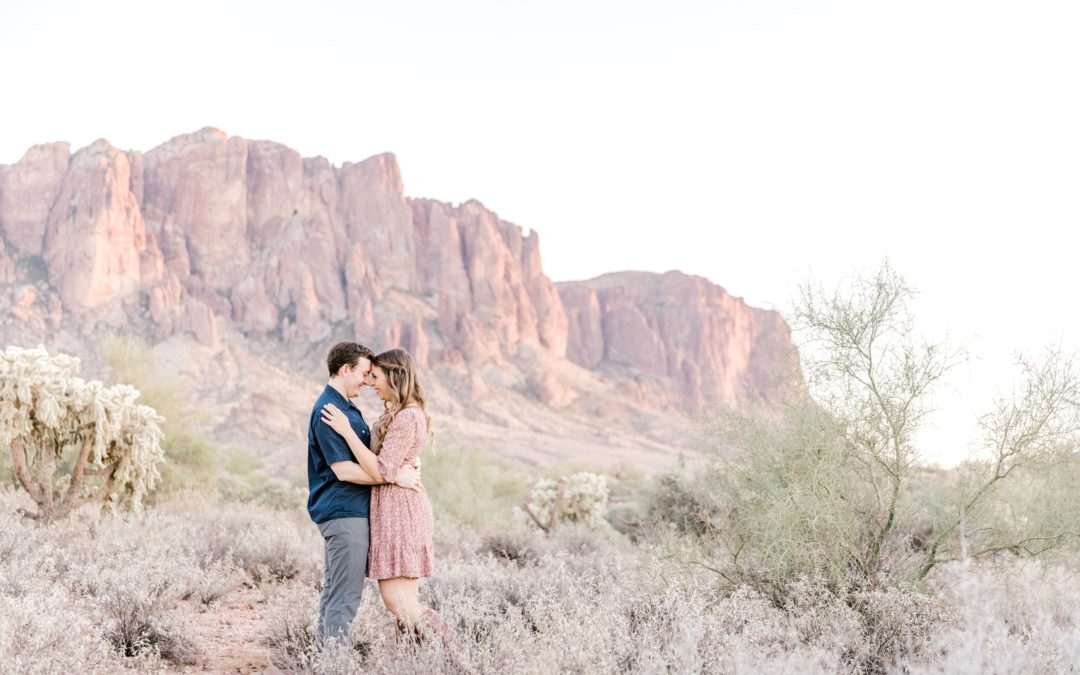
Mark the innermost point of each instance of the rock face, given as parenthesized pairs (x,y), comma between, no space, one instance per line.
(211,235)
(713,346)
(486,277)
(195,201)
(95,244)
(28,191)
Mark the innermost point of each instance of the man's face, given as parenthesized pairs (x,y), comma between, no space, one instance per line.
(354,377)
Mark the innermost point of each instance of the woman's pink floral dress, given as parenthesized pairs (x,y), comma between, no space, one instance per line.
(401,520)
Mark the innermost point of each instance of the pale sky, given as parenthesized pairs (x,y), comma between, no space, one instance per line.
(752,142)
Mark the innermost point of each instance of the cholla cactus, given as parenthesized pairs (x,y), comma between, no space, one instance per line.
(578,498)
(51,418)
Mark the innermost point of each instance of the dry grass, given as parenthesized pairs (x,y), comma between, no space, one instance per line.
(199,585)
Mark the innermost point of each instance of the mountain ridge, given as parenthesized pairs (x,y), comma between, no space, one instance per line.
(224,247)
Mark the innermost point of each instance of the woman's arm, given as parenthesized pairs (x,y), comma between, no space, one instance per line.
(351,472)
(398,445)
(369,470)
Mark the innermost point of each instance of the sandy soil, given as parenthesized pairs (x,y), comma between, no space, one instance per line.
(231,634)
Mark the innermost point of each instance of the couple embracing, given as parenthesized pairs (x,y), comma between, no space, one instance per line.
(365,490)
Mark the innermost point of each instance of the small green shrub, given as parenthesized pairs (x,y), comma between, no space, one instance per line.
(681,500)
(192,459)
(472,488)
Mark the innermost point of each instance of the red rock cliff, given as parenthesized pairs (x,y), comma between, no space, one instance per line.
(209,232)
(684,329)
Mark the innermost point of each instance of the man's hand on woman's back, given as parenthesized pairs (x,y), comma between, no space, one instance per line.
(409,476)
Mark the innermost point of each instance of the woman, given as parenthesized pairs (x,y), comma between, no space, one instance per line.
(401,519)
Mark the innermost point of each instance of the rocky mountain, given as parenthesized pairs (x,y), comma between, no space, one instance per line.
(242,261)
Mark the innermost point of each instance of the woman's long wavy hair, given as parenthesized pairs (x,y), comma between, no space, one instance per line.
(405,385)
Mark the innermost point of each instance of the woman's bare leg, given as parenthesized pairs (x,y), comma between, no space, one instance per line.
(402,597)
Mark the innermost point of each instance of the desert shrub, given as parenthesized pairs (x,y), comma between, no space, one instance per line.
(585,540)
(677,498)
(577,498)
(194,461)
(472,488)
(587,602)
(138,591)
(267,546)
(792,500)
(136,583)
(516,545)
(42,630)
(291,634)
(818,616)
(11,535)
(270,554)
(1032,512)
(899,625)
(1015,616)
(455,541)
(192,458)
(140,627)
(243,480)
(590,613)
(7,476)
(216,579)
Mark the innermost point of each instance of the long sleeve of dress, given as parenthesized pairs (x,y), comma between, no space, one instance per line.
(397,446)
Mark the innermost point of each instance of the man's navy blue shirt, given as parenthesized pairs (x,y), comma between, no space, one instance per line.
(328,497)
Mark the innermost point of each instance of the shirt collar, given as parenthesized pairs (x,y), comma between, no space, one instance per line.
(339,400)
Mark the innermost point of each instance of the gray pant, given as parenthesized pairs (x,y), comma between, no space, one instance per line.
(343,584)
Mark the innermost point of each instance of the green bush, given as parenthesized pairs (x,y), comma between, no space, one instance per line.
(793,499)
(192,459)
(472,488)
(688,502)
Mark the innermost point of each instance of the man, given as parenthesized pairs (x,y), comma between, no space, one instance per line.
(340,491)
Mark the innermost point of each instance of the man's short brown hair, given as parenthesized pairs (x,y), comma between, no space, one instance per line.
(346,354)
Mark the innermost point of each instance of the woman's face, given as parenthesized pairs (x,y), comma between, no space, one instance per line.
(377,380)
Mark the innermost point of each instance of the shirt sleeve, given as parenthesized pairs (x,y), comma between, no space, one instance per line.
(333,445)
(396,446)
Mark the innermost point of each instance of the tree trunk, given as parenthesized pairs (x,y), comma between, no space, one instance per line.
(556,511)
(72,498)
(48,470)
(22,472)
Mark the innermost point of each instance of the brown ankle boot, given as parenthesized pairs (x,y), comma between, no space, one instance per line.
(432,622)
(405,633)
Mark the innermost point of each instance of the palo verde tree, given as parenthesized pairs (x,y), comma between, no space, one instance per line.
(74,441)
(833,486)
(1020,494)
